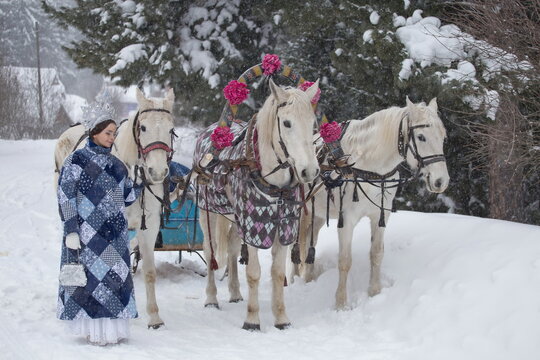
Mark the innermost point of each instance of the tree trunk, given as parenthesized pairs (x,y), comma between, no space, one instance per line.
(506,195)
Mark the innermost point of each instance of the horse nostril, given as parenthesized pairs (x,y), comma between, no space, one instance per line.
(438,183)
(304,173)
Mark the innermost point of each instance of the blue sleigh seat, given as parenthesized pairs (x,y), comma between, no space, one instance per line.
(182,230)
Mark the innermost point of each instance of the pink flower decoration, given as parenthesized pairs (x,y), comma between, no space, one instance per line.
(235,92)
(330,131)
(270,64)
(222,137)
(306,85)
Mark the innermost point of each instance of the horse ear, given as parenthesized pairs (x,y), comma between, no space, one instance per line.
(409,102)
(312,90)
(169,99)
(170,95)
(141,99)
(278,92)
(433,104)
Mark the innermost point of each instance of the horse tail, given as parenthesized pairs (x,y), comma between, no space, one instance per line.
(223,228)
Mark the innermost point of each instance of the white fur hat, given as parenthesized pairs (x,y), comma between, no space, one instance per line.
(98,111)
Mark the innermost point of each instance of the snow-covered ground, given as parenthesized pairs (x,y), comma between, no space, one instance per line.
(455,287)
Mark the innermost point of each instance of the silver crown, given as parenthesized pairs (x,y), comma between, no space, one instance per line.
(98,111)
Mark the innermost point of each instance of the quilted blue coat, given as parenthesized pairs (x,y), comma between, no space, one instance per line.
(93,191)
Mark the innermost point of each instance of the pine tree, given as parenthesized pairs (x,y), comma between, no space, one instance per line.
(196,48)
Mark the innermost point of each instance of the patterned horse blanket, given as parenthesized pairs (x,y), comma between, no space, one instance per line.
(261,211)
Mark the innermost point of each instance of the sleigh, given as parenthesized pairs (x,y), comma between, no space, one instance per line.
(180,230)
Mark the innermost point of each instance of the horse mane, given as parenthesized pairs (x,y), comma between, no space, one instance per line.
(367,139)
(266,115)
(377,132)
(124,144)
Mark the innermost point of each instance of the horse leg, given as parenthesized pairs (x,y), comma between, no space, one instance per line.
(208,223)
(344,262)
(279,258)
(233,250)
(376,254)
(147,239)
(303,233)
(253,274)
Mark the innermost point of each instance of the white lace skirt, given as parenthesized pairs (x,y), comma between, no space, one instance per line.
(101,331)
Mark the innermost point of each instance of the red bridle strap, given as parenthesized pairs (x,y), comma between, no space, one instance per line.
(154,146)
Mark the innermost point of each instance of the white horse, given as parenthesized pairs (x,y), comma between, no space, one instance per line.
(284,127)
(143,141)
(376,145)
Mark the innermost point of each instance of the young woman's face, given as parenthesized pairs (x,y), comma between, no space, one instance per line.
(106,137)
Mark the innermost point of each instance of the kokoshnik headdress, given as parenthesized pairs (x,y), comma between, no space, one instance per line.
(98,111)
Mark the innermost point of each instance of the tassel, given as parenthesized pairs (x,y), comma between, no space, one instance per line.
(285,282)
(244,255)
(310,259)
(295,254)
(381,219)
(213,264)
(355,192)
(143,222)
(328,207)
(340,220)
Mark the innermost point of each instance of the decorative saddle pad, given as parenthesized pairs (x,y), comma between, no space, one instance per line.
(259,216)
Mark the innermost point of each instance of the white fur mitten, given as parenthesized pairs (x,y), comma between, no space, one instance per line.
(72,241)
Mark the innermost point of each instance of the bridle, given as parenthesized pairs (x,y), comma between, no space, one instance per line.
(282,164)
(423,161)
(144,150)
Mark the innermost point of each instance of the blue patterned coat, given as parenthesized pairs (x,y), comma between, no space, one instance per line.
(93,191)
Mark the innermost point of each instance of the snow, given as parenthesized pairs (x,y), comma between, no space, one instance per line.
(455,287)
(128,54)
(374,18)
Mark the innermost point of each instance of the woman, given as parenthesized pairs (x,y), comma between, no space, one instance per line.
(93,191)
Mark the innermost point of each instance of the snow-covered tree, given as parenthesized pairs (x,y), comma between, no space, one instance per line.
(194,47)
(18,41)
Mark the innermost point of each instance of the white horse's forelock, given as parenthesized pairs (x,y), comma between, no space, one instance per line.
(266,117)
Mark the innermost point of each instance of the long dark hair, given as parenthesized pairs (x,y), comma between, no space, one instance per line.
(100,127)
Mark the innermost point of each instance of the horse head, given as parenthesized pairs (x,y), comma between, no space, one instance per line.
(426,135)
(154,133)
(286,122)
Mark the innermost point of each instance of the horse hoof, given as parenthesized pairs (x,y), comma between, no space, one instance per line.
(236,300)
(212,306)
(156,326)
(283,326)
(251,327)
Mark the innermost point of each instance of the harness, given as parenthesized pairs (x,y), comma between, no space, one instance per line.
(338,163)
(142,152)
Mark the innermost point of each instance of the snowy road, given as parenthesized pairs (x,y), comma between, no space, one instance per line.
(456,287)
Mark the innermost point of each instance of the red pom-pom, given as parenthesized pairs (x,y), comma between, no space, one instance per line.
(222,137)
(235,92)
(270,64)
(330,131)
(306,85)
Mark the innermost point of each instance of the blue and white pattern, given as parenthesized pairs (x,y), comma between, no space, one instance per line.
(93,191)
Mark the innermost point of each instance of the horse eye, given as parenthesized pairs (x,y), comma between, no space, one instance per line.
(421,137)
(287,123)
(143,128)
